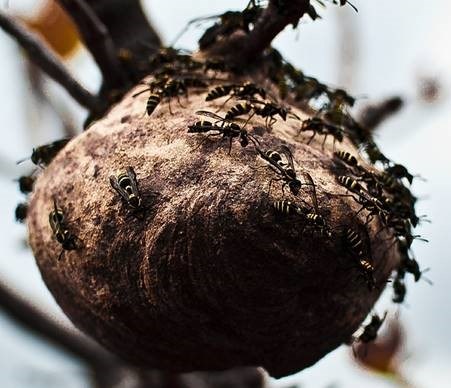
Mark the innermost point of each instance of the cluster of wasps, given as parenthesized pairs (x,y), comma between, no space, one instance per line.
(175,72)
(384,195)
(41,156)
(124,183)
(231,21)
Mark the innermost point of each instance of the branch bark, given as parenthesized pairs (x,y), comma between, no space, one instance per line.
(48,62)
(98,41)
(273,20)
(127,24)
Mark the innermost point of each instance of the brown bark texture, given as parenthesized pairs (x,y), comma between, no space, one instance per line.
(206,276)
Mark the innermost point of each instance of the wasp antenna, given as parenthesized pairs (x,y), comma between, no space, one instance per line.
(421,238)
(141,92)
(353,6)
(23,160)
(420,178)
(423,218)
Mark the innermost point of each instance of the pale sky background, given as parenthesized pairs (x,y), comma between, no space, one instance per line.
(395,41)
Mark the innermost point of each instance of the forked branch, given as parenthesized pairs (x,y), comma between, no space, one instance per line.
(242,48)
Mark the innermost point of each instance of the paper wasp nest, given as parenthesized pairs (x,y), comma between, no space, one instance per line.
(204,273)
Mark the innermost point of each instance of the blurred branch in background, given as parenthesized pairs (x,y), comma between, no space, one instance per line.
(97,40)
(348,59)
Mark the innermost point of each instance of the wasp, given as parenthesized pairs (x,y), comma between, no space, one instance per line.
(26,183)
(399,287)
(316,219)
(249,90)
(398,171)
(313,222)
(227,129)
(355,244)
(43,155)
(218,92)
(371,329)
(287,173)
(341,3)
(287,208)
(268,110)
(320,127)
(285,170)
(228,23)
(374,154)
(351,184)
(60,231)
(364,196)
(152,102)
(126,186)
(239,110)
(244,91)
(203,126)
(339,97)
(309,89)
(347,158)
(411,266)
(21,212)
(168,88)
(215,65)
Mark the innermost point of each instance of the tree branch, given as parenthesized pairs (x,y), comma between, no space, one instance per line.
(48,62)
(132,34)
(277,15)
(130,30)
(38,323)
(98,41)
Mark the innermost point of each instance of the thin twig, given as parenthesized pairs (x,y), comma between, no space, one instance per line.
(98,41)
(45,60)
(271,22)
